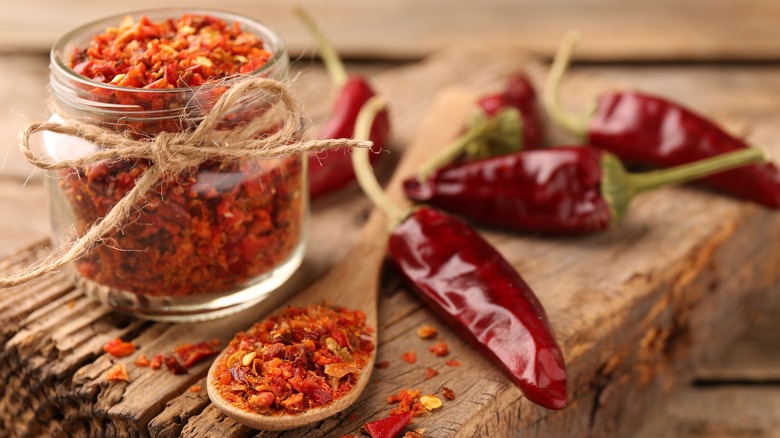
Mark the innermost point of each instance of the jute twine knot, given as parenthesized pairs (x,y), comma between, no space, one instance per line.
(171,153)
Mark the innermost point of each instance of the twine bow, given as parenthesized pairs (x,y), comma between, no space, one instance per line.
(170,153)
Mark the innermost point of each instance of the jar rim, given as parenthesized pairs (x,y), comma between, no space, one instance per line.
(271,38)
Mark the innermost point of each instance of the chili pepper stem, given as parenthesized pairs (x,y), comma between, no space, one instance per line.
(363,173)
(577,125)
(619,186)
(330,58)
(507,123)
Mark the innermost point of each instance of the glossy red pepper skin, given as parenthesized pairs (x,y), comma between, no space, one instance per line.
(556,190)
(518,93)
(332,170)
(388,427)
(483,298)
(643,129)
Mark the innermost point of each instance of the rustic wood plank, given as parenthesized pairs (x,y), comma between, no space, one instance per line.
(615,30)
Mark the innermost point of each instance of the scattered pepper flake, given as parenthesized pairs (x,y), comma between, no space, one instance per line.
(190,354)
(119,348)
(195,388)
(417,433)
(452,363)
(156,361)
(430,402)
(426,331)
(447,393)
(382,365)
(142,361)
(440,348)
(117,373)
(430,373)
(388,427)
(174,366)
(409,357)
(408,401)
(305,357)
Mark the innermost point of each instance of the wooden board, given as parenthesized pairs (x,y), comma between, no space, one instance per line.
(635,310)
(614,29)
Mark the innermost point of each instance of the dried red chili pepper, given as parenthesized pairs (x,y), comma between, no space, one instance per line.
(388,427)
(518,93)
(560,190)
(649,130)
(119,348)
(332,170)
(473,288)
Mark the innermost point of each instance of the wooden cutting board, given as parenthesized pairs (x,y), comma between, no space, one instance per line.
(635,309)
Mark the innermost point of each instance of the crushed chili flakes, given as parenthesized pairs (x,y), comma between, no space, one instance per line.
(408,400)
(190,354)
(426,331)
(440,348)
(187,52)
(417,433)
(117,373)
(409,357)
(212,229)
(302,358)
(119,348)
(452,363)
(430,373)
(447,393)
(382,365)
(157,361)
(195,388)
(142,361)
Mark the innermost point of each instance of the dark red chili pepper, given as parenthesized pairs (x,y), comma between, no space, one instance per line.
(649,130)
(388,427)
(519,93)
(332,170)
(481,296)
(562,189)
(475,290)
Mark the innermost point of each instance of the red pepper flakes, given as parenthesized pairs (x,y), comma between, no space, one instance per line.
(447,393)
(142,361)
(302,358)
(156,361)
(195,388)
(118,373)
(409,357)
(212,229)
(452,363)
(439,349)
(388,427)
(408,401)
(190,354)
(414,434)
(174,366)
(186,52)
(119,348)
(382,365)
(430,373)
(426,331)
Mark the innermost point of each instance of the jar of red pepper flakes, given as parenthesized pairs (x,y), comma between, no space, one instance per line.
(212,240)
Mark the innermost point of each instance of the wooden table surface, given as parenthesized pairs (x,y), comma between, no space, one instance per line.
(734,394)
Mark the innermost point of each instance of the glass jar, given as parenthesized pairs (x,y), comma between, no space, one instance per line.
(205,243)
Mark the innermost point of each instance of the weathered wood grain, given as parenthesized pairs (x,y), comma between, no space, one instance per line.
(615,30)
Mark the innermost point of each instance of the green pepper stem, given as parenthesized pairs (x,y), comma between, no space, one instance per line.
(330,58)
(454,149)
(365,176)
(641,182)
(619,187)
(577,125)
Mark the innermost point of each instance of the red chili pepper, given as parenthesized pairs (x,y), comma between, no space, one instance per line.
(475,290)
(519,93)
(563,189)
(649,130)
(388,427)
(481,296)
(332,170)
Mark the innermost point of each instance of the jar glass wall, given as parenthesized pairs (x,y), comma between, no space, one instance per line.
(203,243)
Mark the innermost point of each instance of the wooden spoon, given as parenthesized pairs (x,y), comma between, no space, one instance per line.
(353,282)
